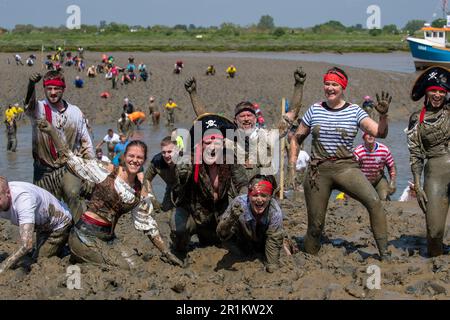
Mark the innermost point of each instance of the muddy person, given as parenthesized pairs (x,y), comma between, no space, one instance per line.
(111,140)
(11,134)
(34,209)
(153,111)
(248,134)
(253,222)
(118,191)
(373,157)
(50,172)
(428,139)
(163,164)
(169,109)
(125,126)
(205,184)
(334,124)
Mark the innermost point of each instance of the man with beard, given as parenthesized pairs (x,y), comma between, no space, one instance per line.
(205,183)
(255,146)
(50,172)
(163,164)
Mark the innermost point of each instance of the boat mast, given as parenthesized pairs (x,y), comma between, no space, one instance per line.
(444,9)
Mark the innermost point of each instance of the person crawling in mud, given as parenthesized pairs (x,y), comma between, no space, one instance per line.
(205,184)
(50,172)
(117,191)
(254,222)
(163,164)
(334,124)
(34,209)
(428,139)
(249,134)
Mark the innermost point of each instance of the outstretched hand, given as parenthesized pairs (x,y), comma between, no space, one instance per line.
(35,78)
(236,211)
(382,105)
(299,76)
(191,85)
(169,257)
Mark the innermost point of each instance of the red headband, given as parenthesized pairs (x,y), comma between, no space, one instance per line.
(264,187)
(336,77)
(435,88)
(56,82)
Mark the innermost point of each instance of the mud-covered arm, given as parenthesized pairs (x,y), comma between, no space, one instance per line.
(297,96)
(197,103)
(417,157)
(26,245)
(86,150)
(300,136)
(229,219)
(30,101)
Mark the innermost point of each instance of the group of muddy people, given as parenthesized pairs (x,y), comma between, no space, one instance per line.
(77,197)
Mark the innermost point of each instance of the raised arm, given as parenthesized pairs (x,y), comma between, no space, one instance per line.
(297,97)
(380,129)
(26,245)
(30,99)
(197,103)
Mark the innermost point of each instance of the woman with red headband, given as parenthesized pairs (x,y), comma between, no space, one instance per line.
(334,124)
(428,138)
(254,222)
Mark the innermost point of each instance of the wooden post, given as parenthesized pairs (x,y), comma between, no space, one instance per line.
(283,141)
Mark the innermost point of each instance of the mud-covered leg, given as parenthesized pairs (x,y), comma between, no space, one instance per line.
(316,203)
(71,195)
(353,182)
(382,188)
(182,228)
(436,187)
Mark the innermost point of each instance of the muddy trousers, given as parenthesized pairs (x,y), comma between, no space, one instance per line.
(63,185)
(183,227)
(12,143)
(437,189)
(94,244)
(345,176)
(50,244)
(382,188)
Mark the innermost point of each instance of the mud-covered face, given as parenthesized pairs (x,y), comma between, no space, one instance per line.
(5,199)
(168,153)
(212,150)
(246,120)
(54,94)
(259,202)
(333,91)
(436,97)
(134,159)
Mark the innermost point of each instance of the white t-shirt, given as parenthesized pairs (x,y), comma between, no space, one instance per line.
(115,138)
(302,160)
(31,204)
(105,159)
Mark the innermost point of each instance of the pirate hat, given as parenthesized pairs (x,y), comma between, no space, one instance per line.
(213,123)
(438,77)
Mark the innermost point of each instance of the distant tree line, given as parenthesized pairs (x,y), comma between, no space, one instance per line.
(266,24)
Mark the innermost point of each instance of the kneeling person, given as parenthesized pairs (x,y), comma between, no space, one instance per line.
(254,221)
(34,209)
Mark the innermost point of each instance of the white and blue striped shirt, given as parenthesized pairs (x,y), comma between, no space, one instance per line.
(333,130)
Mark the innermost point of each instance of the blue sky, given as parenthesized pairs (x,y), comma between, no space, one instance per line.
(291,13)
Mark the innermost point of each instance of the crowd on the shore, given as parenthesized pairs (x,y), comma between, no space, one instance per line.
(79,192)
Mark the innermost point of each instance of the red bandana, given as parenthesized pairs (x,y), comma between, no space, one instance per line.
(262,187)
(55,82)
(430,88)
(336,77)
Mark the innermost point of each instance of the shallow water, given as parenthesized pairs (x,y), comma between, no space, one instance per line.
(18,166)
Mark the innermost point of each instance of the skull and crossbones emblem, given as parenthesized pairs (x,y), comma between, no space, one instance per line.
(211,123)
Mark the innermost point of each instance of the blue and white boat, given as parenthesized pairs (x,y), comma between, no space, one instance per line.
(431,50)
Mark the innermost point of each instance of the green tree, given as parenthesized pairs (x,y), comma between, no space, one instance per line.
(278,32)
(180,27)
(414,25)
(329,27)
(390,29)
(375,32)
(439,23)
(266,23)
